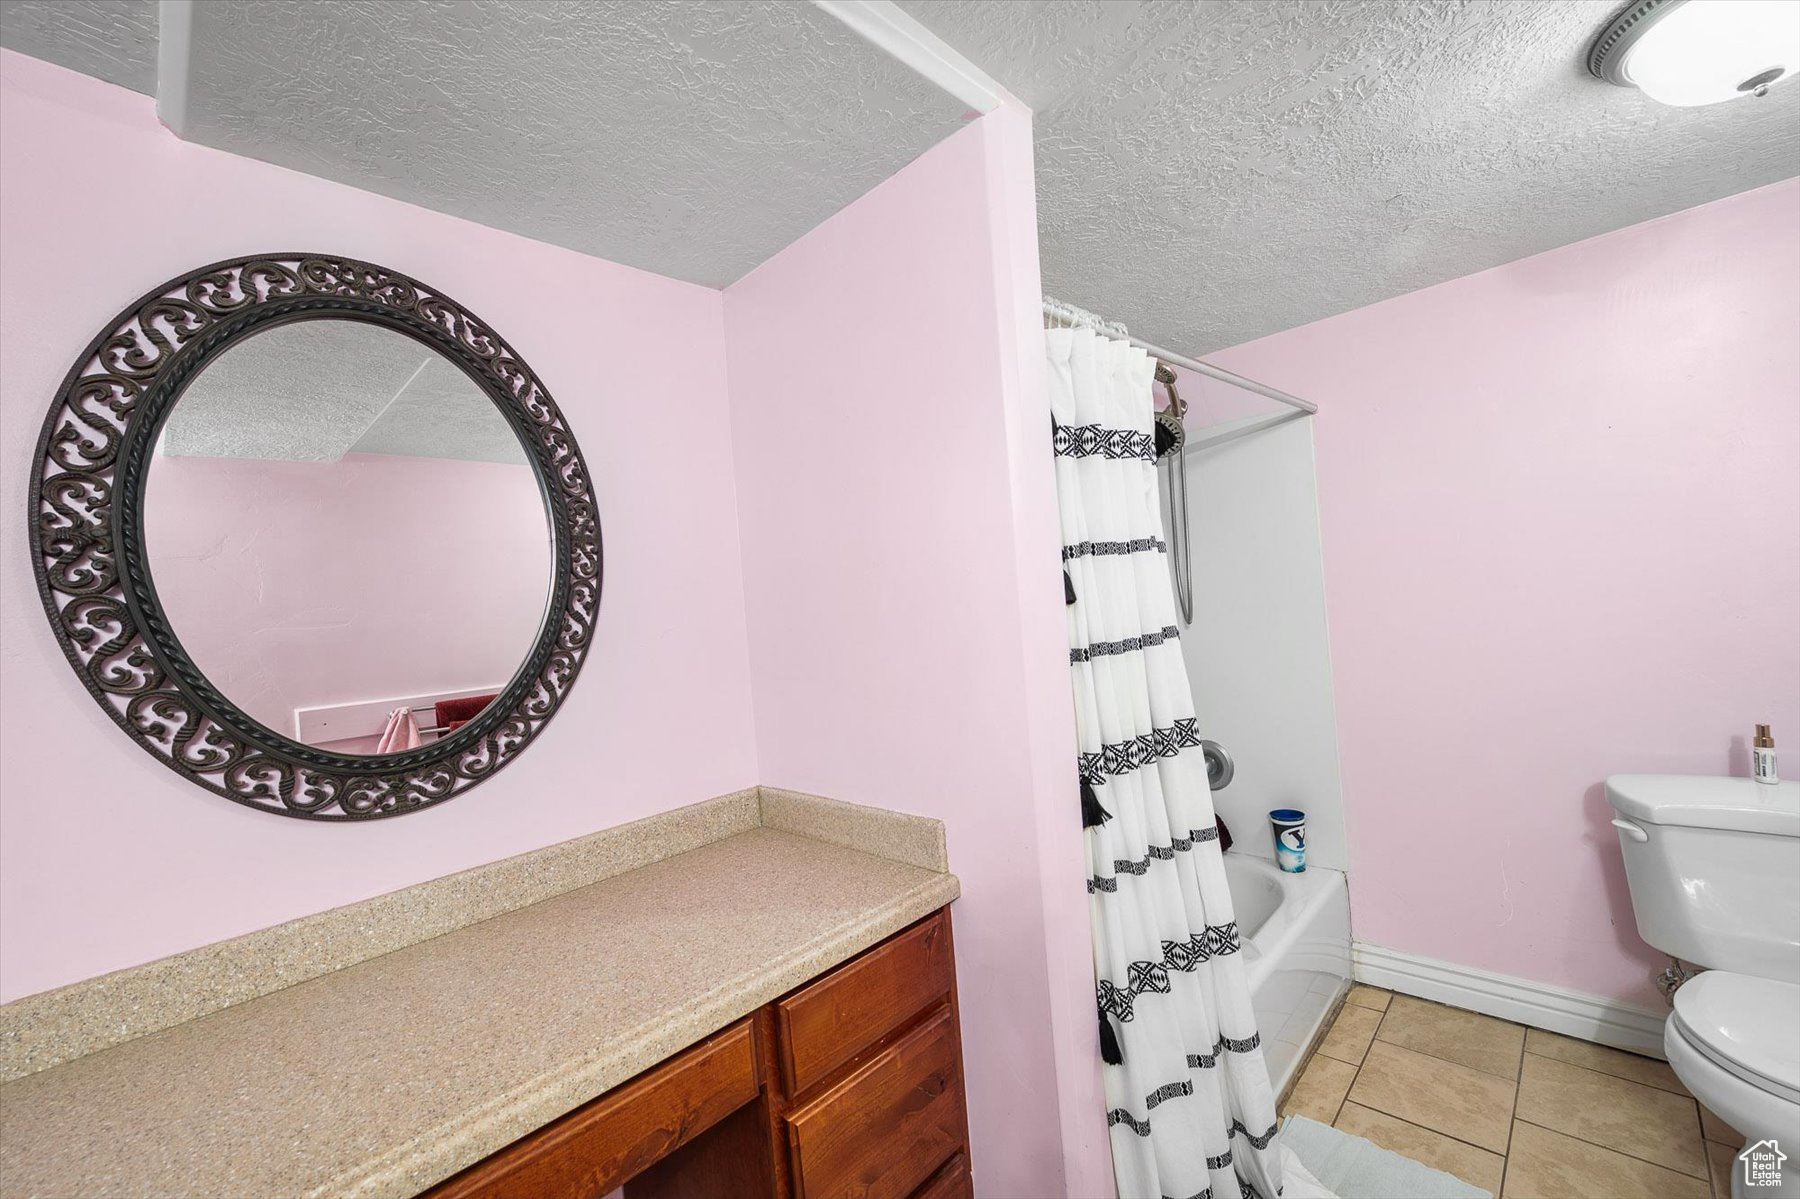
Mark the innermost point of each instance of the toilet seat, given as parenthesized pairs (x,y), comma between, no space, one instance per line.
(1746,1026)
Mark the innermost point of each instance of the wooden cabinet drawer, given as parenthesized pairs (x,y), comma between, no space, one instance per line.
(827,1023)
(888,1126)
(597,1147)
(952,1182)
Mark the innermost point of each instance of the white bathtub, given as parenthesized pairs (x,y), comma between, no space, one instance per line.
(1296,937)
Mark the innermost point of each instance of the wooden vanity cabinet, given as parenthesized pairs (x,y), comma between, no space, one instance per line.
(851,1085)
(599,1145)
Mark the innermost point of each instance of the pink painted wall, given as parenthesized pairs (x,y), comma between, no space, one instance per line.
(107,858)
(907,638)
(903,644)
(299,584)
(1561,517)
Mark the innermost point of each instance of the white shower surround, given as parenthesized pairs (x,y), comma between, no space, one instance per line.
(1258,652)
(1260,663)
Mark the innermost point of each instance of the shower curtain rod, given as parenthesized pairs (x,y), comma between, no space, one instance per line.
(1080,317)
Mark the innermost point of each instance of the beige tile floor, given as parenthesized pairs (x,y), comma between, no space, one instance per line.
(1521,1113)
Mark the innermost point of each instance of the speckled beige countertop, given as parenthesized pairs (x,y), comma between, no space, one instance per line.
(384,1077)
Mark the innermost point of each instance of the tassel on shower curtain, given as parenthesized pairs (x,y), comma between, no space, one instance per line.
(1190,1108)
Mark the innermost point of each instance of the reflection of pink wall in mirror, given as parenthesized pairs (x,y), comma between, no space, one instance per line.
(299,584)
(109,859)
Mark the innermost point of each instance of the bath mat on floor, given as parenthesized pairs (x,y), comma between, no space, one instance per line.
(1357,1169)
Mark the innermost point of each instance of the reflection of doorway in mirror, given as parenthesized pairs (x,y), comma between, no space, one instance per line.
(338,519)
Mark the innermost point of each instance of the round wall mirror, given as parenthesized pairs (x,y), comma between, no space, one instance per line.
(346,536)
(316,537)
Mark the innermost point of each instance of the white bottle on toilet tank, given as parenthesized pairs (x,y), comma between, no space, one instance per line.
(1762,757)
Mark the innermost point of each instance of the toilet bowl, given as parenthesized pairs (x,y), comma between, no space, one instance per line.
(1714,870)
(1734,1041)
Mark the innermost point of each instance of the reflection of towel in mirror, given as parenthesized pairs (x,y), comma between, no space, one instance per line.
(452,714)
(402,733)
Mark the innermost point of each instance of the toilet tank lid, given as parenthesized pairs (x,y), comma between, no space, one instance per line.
(1707,801)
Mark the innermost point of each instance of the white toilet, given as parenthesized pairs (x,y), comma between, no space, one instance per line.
(1714,867)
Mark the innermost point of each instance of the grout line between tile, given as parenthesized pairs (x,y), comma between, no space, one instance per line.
(1346,1099)
(1615,1148)
(1544,1057)
(1512,1120)
(1355,1074)
(1707,1177)
(1706,1155)
(1512,1079)
(1437,1132)
(1505,1157)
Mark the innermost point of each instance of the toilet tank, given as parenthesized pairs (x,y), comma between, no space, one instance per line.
(1714,867)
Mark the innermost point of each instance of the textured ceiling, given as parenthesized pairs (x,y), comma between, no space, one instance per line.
(315,391)
(1209,173)
(114,40)
(692,139)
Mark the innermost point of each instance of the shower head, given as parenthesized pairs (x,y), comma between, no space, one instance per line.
(1170,433)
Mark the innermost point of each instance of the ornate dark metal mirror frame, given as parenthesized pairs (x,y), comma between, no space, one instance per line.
(87,528)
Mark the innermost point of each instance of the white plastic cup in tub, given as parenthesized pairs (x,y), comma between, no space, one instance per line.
(1289,827)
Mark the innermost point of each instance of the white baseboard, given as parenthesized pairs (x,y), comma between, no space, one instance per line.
(1554,1009)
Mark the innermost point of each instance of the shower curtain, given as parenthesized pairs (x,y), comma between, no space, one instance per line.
(1190,1108)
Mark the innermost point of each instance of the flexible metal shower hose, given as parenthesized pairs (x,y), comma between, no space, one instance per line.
(1181,561)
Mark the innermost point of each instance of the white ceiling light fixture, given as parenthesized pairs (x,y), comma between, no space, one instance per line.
(1692,52)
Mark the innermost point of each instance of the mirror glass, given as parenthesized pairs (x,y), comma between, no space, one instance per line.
(346,536)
